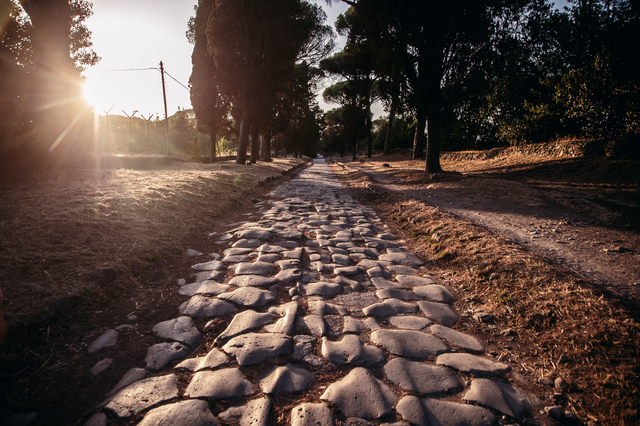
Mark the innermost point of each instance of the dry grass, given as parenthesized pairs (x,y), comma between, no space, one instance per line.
(553,312)
(59,231)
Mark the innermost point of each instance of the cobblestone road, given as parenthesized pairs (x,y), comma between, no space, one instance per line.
(333,311)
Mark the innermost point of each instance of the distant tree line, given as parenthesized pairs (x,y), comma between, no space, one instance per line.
(255,74)
(44,47)
(475,74)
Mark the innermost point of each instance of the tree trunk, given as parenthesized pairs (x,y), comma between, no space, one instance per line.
(388,141)
(369,124)
(418,138)
(243,139)
(255,144)
(355,149)
(432,162)
(213,149)
(266,146)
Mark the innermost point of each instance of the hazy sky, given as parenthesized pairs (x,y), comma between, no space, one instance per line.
(134,34)
(137,34)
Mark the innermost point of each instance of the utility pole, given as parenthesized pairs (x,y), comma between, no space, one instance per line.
(131,128)
(108,141)
(166,116)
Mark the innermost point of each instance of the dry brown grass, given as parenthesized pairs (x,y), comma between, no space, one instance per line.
(57,231)
(553,312)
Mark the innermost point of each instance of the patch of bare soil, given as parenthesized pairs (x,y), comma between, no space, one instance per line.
(83,251)
(505,245)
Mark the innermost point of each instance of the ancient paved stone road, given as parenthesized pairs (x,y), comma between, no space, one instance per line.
(316,286)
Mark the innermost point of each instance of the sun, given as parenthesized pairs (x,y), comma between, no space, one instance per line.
(93,92)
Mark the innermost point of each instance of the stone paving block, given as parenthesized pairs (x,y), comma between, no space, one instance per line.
(289,275)
(181,329)
(390,307)
(360,394)
(400,269)
(351,350)
(309,414)
(501,397)
(161,354)
(461,340)
(353,325)
(394,293)
(133,375)
(255,268)
(210,288)
(213,265)
(435,292)
(322,288)
(355,285)
(439,312)
(409,343)
(290,233)
(285,379)
(269,257)
(427,412)
(406,259)
(142,394)
(107,339)
(219,384)
(253,348)
(235,251)
(409,322)
(236,259)
(253,234)
(214,359)
(252,281)
(100,366)
(249,296)
(271,248)
(472,364)
(247,243)
(335,324)
(341,259)
(418,377)
(201,306)
(383,284)
(338,250)
(244,321)
(303,346)
(253,413)
(183,413)
(98,419)
(377,271)
(313,324)
(348,270)
(289,264)
(412,280)
(209,275)
(354,303)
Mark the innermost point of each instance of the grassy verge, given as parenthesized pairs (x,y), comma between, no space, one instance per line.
(81,250)
(563,326)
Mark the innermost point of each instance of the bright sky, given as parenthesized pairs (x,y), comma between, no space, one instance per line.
(136,34)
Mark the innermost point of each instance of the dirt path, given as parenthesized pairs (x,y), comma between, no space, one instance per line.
(538,219)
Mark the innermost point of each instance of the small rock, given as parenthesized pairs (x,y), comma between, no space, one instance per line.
(545,381)
(560,383)
(483,317)
(555,412)
(563,358)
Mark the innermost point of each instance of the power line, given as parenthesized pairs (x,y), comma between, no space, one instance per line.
(128,69)
(146,69)
(174,79)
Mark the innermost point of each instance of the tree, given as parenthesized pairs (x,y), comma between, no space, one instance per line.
(251,42)
(50,46)
(211,107)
